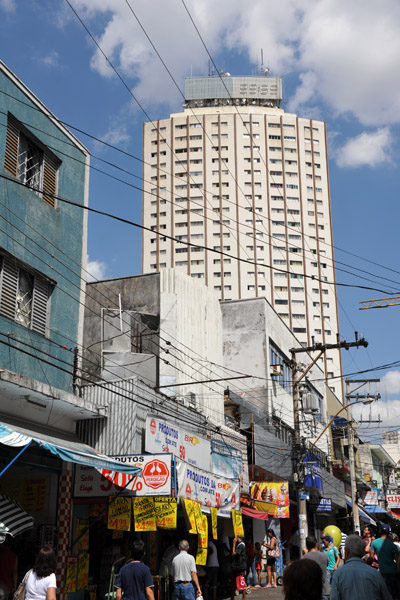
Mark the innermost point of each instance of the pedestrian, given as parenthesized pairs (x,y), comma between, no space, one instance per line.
(185,572)
(135,579)
(8,565)
(212,568)
(273,553)
(387,553)
(356,580)
(238,566)
(333,555)
(251,566)
(41,582)
(258,562)
(321,559)
(302,580)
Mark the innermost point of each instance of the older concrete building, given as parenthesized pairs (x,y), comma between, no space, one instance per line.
(236,192)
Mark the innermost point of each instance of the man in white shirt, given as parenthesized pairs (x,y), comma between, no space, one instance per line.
(184,572)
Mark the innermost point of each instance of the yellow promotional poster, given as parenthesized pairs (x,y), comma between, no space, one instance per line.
(144,513)
(119,513)
(271,497)
(189,507)
(202,538)
(237,523)
(199,518)
(83,572)
(214,522)
(201,556)
(166,512)
(83,534)
(71,575)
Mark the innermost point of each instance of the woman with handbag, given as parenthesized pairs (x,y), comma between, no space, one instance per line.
(41,581)
(273,553)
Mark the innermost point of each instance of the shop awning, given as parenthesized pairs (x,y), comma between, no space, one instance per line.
(363,515)
(13,518)
(67,450)
(375,509)
(255,514)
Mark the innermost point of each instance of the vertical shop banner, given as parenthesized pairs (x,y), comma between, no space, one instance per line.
(202,538)
(214,522)
(271,497)
(83,572)
(155,476)
(189,508)
(313,472)
(162,436)
(166,512)
(83,534)
(201,556)
(237,523)
(207,489)
(198,515)
(144,513)
(119,513)
(71,574)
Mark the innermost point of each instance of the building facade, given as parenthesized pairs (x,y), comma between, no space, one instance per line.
(236,192)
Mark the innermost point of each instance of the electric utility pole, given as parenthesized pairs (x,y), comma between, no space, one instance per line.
(350,438)
(298,453)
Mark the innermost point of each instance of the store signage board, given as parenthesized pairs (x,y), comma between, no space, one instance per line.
(321,504)
(156,478)
(164,436)
(393,501)
(371,498)
(207,489)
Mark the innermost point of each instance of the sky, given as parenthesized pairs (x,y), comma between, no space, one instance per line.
(339,63)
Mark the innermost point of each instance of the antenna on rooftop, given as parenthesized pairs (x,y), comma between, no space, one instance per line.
(262,60)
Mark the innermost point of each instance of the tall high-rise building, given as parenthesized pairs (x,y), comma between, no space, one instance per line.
(236,191)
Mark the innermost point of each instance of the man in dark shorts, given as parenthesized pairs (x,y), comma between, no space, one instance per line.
(135,578)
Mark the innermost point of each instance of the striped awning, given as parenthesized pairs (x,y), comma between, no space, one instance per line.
(13,517)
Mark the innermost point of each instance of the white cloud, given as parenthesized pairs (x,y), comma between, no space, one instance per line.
(345,53)
(51,59)
(370,149)
(116,136)
(387,412)
(95,270)
(7,5)
(390,383)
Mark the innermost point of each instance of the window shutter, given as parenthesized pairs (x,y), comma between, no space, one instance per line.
(9,286)
(11,154)
(39,306)
(49,180)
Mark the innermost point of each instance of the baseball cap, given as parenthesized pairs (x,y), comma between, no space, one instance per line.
(385,527)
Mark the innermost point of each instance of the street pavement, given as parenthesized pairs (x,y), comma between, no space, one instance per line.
(262,594)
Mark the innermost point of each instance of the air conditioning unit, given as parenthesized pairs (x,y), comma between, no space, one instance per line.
(310,403)
(276,370)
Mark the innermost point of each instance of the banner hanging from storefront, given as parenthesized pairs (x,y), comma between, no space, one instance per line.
(214,522)
(208,489)
(313,472)
(226,460)
(321,504)
(155,478)
(144,514)
(237,522)
(166,512)
(271,497)
(189,508)
(119,513)
(164,436)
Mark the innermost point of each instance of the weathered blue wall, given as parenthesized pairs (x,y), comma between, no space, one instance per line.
(48,239)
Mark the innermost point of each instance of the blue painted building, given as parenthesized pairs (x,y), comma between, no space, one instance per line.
(42,246)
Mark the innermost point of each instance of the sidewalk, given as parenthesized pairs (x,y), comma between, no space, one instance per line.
(262,594)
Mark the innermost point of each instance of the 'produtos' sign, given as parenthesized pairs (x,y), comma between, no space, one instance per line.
(163,436)
(207,489)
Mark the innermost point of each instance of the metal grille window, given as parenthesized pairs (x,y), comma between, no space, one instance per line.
(24,297)
(30,162)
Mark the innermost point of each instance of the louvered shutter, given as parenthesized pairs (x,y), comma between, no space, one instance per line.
(49,180)
(11,154)
(39,306)
(9,286)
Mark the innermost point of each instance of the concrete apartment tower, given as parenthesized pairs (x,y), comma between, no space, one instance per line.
(234,173)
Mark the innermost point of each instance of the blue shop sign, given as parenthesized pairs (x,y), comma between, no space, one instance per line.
(321,504)
(312,471)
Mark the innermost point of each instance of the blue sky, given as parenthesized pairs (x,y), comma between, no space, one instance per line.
(338,60)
